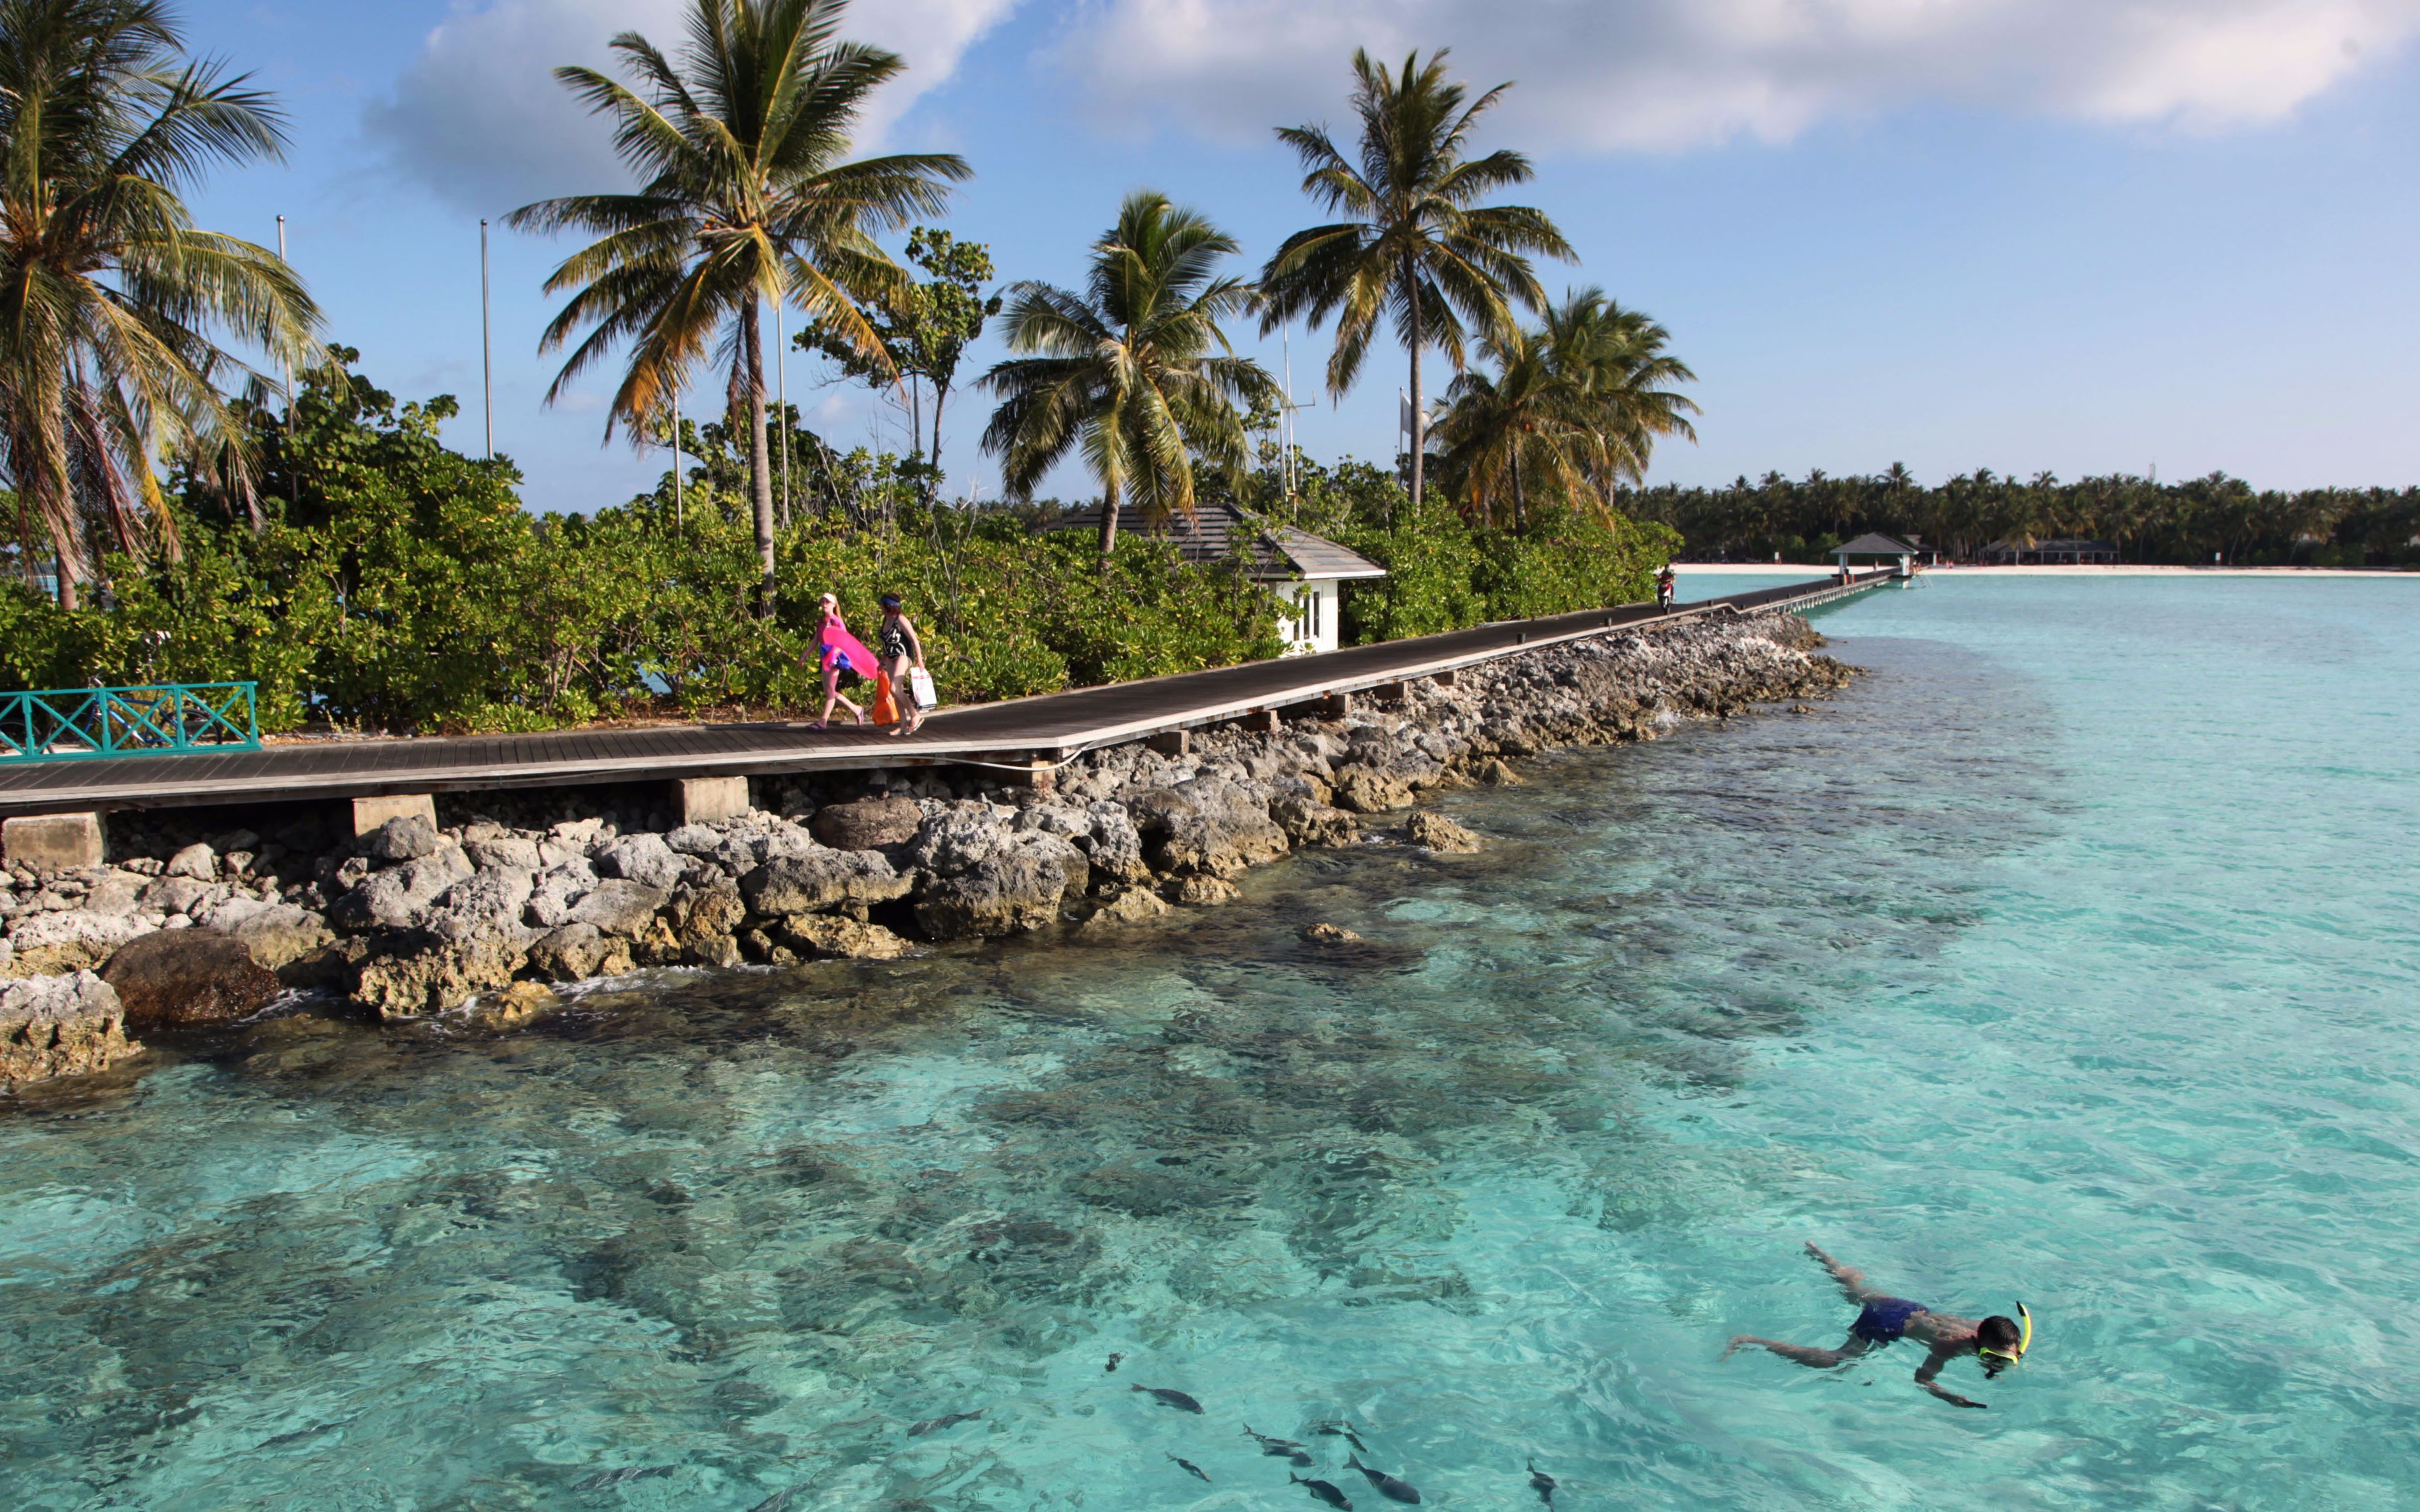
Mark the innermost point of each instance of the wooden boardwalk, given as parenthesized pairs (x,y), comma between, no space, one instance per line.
(1021,733)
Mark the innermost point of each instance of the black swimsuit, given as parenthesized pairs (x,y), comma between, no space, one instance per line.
(895,638)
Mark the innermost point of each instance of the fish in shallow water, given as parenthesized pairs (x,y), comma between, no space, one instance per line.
(934,1424)
(1172,1398)
(1540,1482)
(616,1478)
(1192,1469)
(1271,1445)
(1388,1485)
(1322,1489)
(1111,1368)
(1346,1429)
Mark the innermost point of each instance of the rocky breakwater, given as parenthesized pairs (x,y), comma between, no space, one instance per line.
(415,919)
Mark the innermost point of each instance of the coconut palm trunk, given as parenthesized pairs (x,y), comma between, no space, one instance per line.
(1420,402)
(760,451)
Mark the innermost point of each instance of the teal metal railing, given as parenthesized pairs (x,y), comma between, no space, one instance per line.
(72,723)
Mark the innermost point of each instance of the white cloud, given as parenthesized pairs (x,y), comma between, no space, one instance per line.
(478,117)
(1669,74)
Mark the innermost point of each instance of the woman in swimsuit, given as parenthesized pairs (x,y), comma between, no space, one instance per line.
(837,644)
(896,643)
(1996,1342)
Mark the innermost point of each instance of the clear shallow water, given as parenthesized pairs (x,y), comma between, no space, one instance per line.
(2070,957)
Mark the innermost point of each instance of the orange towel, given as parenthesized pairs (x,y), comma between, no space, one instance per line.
(886,707)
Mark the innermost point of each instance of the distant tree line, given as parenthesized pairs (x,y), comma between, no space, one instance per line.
(2148,521)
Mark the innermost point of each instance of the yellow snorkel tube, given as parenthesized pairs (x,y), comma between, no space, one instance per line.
(2001,1360)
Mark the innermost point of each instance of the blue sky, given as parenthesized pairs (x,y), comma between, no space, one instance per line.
(2075,236)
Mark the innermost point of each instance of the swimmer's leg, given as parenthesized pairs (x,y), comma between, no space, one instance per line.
(1851,1281)
(1806,1354)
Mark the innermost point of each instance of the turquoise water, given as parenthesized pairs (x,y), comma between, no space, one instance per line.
(2071,956)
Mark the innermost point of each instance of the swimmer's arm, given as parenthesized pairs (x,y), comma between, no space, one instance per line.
(1926,1373)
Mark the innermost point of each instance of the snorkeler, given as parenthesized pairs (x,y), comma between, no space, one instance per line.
(1997,1342)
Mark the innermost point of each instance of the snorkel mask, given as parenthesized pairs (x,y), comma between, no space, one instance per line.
(1995,1360)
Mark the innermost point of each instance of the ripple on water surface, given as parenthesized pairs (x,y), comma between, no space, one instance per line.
(2056,960)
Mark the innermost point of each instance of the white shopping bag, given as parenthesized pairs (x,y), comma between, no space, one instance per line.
(919,687)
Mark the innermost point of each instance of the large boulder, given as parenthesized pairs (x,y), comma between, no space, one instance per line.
(277,934)
(68,940)
(1367,790)
(187,979)
(705,922)
(1308,821)
(620,906)
(579,952)
(196,862)
(1132,906)
(1022,885)
(644,859)
(500,851)
(487,903)
(822,879)
(59,1026)
(174,894)
(1207,824)
(400,896)
(114,892)
(1104,831)
(404,838)
(558,891)
(1440,834)
(427,975)
(868,823)
(826,937)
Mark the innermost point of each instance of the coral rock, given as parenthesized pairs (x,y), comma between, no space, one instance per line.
(868,823)
(58,1027)
(184,979)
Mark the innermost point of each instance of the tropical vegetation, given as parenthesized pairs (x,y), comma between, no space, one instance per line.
(1571,412)
(747,195)
(1413,246)
(113,302)
(1136,373)
(2198,520)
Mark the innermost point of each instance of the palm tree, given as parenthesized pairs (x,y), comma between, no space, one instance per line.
(110,297)
(745,196)
(1615,361)
(1524,428)
(1135,370)
(1414,243)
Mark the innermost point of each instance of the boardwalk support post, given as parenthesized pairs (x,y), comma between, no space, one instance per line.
(704,800)
(369,813)
(1335,705)
(1443,679)
(1172,742)
(1392,692)
(51,842)
(1261,722)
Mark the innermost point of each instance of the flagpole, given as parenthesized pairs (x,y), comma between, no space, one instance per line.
(486,347)
(679,519)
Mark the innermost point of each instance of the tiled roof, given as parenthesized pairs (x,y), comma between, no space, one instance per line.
(1218,532)
(1871,544)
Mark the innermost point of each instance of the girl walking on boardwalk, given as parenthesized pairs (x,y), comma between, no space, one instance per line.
(900,647)
(840,652)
